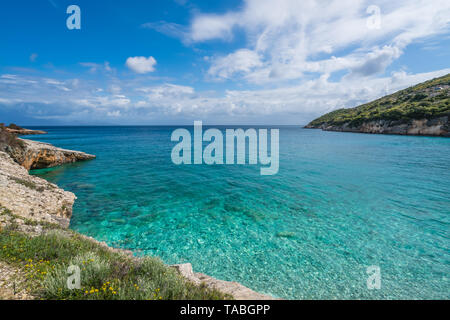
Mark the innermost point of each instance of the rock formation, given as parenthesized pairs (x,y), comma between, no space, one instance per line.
(432,127)
(36,155)
(423,109)
(235,289)
(25,132)
(31,197)
(39,155)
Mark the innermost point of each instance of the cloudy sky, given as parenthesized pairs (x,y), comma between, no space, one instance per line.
(223,62)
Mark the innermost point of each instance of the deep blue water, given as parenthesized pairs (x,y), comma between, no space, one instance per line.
(341,202)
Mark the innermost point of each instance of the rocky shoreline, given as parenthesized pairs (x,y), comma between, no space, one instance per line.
(34,199)
(38,155)
(31,197)
(421,127)
(25,132)
(420,110)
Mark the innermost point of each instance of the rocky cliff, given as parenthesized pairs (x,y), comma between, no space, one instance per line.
(25,132)
(423,109)
(38,155)
(31,197)
(426,127)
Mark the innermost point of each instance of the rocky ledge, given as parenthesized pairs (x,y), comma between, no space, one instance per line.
(25,132)
(424,127)
(31,197)
(235,289)
(39,155)
(34,154)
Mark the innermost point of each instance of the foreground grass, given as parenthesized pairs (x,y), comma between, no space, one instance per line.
(105,274)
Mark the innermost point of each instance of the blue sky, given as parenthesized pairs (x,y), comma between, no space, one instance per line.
(228,62)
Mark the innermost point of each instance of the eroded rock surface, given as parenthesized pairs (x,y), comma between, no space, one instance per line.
(25,132)
(32,197)
(12,283)
(235,289)
(38,155)
(433,127)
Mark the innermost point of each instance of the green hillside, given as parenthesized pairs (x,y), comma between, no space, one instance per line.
(428,100)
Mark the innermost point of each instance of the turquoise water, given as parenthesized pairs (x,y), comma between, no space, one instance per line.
(341,202)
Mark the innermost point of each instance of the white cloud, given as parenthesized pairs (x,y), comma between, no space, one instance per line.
(141,64)
(241,61)
(96,67)
(108,67)
(307,58)
(292,37)
(115,89)
(114,114)
(33,57)
(167,90)
(207,27)
(168,28)
(295,104)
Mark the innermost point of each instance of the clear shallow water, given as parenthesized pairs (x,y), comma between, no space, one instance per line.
(340,202)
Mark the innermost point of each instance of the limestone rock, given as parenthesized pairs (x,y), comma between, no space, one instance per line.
(32,197)
(433,127)
(25,132)
(235,289)
(13,283)
(39,155)
(186,271)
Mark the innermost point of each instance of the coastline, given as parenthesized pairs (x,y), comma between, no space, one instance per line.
(420,110)
(437,127)
(29,198)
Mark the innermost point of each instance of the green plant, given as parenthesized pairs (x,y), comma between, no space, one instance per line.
(14,127)
(105,274)
(416,102)
(26,183)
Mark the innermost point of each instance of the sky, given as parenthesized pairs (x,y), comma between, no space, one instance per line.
(168,62)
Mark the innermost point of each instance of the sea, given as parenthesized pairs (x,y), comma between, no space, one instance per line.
(347,216)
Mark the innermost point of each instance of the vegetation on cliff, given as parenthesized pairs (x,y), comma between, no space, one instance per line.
(8,140)
(37,249)
(14,126)
(106,274)
(428,100)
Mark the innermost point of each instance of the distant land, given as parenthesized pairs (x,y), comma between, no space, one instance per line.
(15,129)
(423,109)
